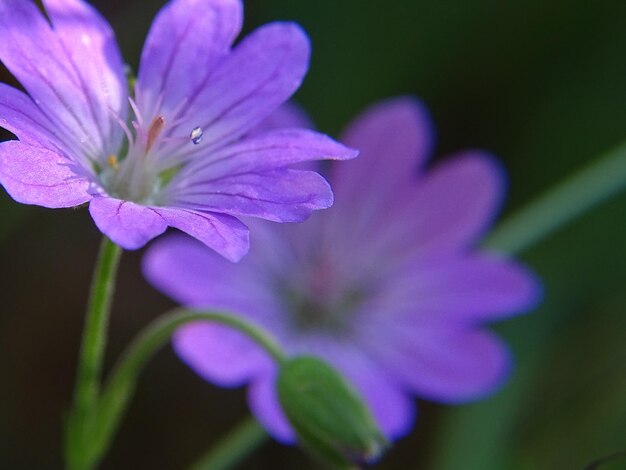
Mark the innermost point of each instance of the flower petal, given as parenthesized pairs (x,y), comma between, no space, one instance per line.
(446,212)
(441,362)
(394,138)
(281,195)
(469,289)
(288,116)
(128,224)
(266,152)
(392,408)
(35,175)
(72,72)
(195,276)
(220,354)
(90,44)
(457,202)
(263,401)
(260,74)
(223,233)
(187,39)
(20,115)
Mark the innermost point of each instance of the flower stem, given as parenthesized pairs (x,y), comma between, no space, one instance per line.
(239,443)
(121,385)
(81,419)
(568,200)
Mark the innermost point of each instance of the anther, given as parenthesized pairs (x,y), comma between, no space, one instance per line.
(196,135)
(156,127)
(112,161)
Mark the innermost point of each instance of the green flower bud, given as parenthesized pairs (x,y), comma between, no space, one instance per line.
(330,419)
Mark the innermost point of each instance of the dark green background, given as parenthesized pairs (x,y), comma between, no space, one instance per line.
(540,83)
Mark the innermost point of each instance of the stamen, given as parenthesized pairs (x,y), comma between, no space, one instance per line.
(122,124)
(113,162)
(196,135)
(156,127)
(133,105)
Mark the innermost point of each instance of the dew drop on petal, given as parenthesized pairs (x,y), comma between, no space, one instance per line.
(196,135)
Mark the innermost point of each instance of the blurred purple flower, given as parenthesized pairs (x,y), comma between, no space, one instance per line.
(388,285)
(184,160)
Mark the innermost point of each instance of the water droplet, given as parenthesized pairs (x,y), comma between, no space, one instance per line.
(196,135)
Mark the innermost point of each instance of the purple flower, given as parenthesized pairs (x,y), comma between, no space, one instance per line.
(176,152)
(388,285)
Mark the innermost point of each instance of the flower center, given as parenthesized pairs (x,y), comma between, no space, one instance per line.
(322,301)
(147,161)
(308,313)
(131,175)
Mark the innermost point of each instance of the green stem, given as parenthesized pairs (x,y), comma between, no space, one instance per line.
(568,200)
(123,380)
(227,453)
(81,419)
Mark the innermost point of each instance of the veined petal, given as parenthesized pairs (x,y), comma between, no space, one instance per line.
(36,175)
(19,115)
(280,195)
(58,71)
(132,225)
(128,224)
(90,44)
(260,74)
(223,233)
(187,40)
(270,151)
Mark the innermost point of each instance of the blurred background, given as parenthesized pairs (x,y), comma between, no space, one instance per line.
(540,84)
